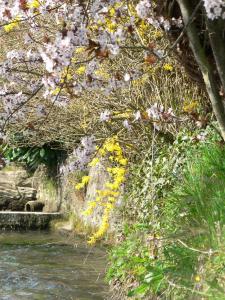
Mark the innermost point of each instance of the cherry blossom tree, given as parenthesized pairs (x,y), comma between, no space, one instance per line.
(65,46)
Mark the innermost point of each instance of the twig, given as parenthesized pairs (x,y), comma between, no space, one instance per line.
(209,252)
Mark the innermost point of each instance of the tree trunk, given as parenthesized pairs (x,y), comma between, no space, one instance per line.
(204,65)
(217,41)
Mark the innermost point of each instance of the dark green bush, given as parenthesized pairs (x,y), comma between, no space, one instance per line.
(32,157)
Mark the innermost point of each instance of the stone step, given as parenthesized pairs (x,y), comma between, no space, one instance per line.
(11,220)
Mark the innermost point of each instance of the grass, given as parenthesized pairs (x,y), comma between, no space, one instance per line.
(199,222)
(179,252)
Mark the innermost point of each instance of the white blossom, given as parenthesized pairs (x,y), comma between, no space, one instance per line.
(127,77)
(105,116)
(143,8)
(137,115)
(215,8)
(126,124)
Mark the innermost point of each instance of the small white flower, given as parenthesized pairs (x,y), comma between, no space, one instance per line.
(127,77)
(105,116)
(137,115)
(114,49)
(154,112)
(126,125)
(202,136)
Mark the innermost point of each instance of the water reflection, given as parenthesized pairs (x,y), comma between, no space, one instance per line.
(42,266)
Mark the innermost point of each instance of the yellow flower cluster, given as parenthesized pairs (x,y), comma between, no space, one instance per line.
(94,162)
(15,22)
(34,4)
(191,106)
(12,25)
(168,67)
(111,151)
(80,70)
(118,174)
(84,181)
(143,28)
(66,76)
(78,51)
(102,73)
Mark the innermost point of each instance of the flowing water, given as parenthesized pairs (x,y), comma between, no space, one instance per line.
(44,266)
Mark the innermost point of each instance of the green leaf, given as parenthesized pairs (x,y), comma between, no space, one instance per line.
(42,152)
(140,290)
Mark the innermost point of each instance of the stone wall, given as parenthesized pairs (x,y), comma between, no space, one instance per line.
(76,201)
(16,188)
(48,189)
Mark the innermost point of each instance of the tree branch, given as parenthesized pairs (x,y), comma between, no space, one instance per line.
(216,37)
(204,65)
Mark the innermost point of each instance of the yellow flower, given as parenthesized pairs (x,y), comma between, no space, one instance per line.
(79,186)
(91,241)
(102,73)
(123,161)
(80,70)
(190,107)
(168,67)
(112,12)
(85,179)
(102,152)
(111,26)
(80,50)
(69,76)
(34,4)
(157,34)
(197,278)
(113,186)
(56,91)
(12,25)
(94,162)
(111,158)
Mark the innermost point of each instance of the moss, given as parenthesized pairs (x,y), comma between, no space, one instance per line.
(12,167)
(50,186)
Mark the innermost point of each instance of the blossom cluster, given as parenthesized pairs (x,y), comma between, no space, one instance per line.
(66,43)
(215,9)
(156,114)
(112,154)
(80,157)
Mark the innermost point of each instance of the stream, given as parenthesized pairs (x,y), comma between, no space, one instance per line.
(45,266)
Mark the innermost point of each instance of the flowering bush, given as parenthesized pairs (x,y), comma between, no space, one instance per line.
(112,154)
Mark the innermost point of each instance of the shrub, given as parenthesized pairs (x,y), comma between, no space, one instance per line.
(176,250)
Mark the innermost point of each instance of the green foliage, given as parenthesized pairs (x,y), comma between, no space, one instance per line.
(133,260)
(32,157)
(175,247)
